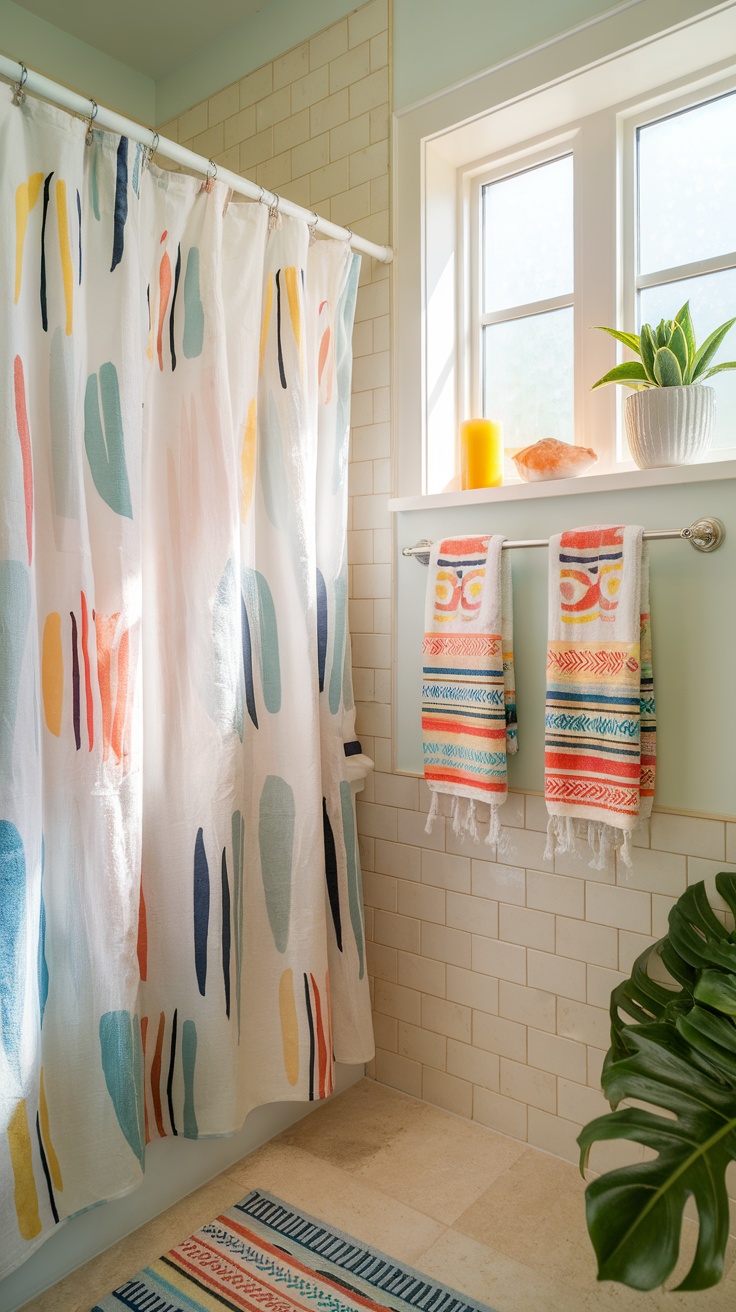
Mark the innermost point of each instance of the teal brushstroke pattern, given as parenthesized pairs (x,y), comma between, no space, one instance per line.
(238,839)
(43,969)
(63,427)
(263,624)
(95,152)
(106,448)
(15,609)
(226,638)
(193,338)
(121,1052)
(12,942)
(344,372)
(355,883)
(188,1062)
(338,648)
(276,816)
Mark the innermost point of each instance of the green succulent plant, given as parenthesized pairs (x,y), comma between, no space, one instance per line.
(673,1046)
(668,355)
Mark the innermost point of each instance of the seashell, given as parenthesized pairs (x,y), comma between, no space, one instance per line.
(552,459)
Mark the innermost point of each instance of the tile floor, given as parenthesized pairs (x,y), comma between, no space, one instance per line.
(499,1220)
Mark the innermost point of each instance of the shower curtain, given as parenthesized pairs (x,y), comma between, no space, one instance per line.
(181,917)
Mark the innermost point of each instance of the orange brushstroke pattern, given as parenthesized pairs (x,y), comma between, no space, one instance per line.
(164,291)
(24,433)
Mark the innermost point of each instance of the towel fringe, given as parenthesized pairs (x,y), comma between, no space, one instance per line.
(603,840)
(434,807)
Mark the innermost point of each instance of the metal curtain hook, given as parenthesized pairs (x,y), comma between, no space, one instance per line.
(211,175)
(313,227)
(274,214)
(151,149)
(92,117)
(19,94)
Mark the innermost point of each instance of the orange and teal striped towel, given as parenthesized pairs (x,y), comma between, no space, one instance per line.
(468,693)
(600,738)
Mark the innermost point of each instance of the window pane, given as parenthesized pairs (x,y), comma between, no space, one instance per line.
(528,236)
(687,186)
(712,302)
(528,377)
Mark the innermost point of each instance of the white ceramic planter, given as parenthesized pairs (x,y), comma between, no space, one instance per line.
(670,425)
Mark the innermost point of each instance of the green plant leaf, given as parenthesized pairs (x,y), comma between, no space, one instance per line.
(705,353)
(631,372)
(648,349)
(716,369)
(678,346)
(662,334)
(629,339)
(667,369)
(674,1048)
(683,318)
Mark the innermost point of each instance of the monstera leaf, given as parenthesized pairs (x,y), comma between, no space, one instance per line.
(673,1046)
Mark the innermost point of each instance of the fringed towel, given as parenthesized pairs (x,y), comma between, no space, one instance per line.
(600,739)
(468,694)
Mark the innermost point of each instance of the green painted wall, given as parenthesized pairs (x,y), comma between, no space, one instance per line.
(693,601)
(46,49)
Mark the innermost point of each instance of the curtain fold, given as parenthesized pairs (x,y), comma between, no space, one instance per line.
(181,920)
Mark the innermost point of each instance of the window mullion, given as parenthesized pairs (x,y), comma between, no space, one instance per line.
(526,311)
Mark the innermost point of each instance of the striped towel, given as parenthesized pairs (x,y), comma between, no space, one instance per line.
(600,741)
(468,695)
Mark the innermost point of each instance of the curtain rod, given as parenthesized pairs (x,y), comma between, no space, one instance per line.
(126,127)
(704,535)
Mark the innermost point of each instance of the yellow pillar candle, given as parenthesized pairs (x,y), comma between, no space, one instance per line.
(481,453)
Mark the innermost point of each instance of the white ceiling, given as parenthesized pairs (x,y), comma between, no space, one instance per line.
(152,36)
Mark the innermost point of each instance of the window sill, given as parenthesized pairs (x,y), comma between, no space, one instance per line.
(619,481)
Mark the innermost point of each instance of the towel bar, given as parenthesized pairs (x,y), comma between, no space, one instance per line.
(705,534)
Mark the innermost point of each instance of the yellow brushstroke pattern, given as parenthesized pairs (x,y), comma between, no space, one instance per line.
(26,195)
(248,460)
(67,272)
(52,672)
(291,278)
(266,321)
(21,1158)
(51,1158)
(289,1026)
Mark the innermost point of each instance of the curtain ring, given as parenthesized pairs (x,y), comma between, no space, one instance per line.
(313,227)
(349,238)
(211,175)
(92,117)
(151,150)
(274,215)
(19,94)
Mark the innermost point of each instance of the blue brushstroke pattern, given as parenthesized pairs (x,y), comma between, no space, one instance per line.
(321,628)
(333,891)
(106,450)
(344,372)
(121,203)
(261,620)
(193,337)
(225,931)
(355,883)
(338,649)
(250,696)
(12,941)
(188,1062)
(122,1062)
(43,969)
(276,819)
(201,911)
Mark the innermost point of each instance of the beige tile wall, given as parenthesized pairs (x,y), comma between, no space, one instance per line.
(491,973)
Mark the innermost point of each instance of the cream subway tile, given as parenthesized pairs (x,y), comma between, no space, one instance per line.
(327,182)
(382,538)
(461,844)
(360,478)
(376,821)
(529,1085)
(731,843)
(170,129)
(474,914)
(366,847)
(381,400)
(596,1058)
(329,44)
(381,607)
(369,924)
(385,1032)
(624,908)
(694,837)
(223,104)
(239,129)
(576,1020)
(374,718)
(380,123)
(367,792)
(298,191)
(555,893)
(328,113)
(255,150)
(533,929)
(393,1000)
(449,1018)
(380,891)
(382,962)
(379,51)
(507,1038)
(308,90)
(577,865)
(294,64)
(373,441)
(600,984)
(292,131)
(273,109)
(350,67)
(630,946)
(524,848)
(536,813)
(396,790)
(256,85)
(502,883)
(372,303)
(512,812)
(230,159)
(371,580)
(554,1134)
(373,371)
(587,942)
(274,172)
(368,21)
(556,974)
(503,1114)
(526,1006)
(382,690)
(370,92)
(578,1102)
(355,134)
(382,486)
(447,1091)
(560,1056)
(399,1073)
(451,872)
(360,552)
(422,974)
(382,326)
(381,754)
(449,945)
(361,408)
(369,163)
(478,991)
(641,835)
(371,512)
(370,1068)
(313,153)
(472,1064)
(423,901)
(661,907)
(422,1045)
(504,960)
(397,859)
(371,648)
(211,143)
(654,872)
(411,830)
(193,121)
(361,621)
(376,226)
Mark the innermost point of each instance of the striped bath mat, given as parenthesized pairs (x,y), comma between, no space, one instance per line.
(266,1256)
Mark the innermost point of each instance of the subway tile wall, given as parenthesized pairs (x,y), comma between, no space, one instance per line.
(490,971)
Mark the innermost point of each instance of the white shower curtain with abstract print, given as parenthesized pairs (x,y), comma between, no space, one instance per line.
(181,920)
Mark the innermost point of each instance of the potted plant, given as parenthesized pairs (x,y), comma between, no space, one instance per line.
(673,1046)
(670,416)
